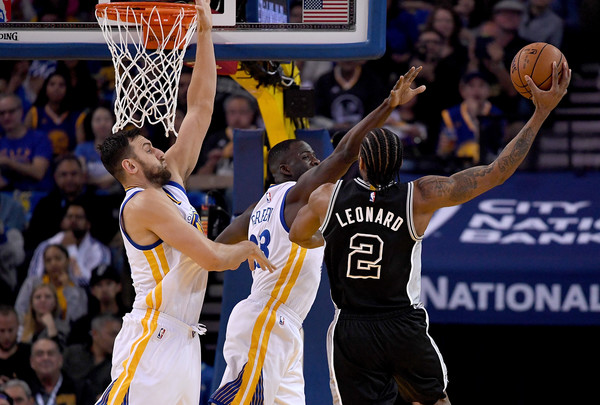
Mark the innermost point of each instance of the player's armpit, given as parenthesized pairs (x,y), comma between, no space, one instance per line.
(237,230)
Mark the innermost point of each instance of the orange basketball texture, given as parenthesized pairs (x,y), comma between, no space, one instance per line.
(535,60)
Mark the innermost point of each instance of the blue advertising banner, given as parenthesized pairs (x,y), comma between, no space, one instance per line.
(526,252)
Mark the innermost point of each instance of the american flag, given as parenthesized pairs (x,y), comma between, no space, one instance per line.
(325,11)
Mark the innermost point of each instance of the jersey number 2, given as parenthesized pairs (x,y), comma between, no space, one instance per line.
(366,251)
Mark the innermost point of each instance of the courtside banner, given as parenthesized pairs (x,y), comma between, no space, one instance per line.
(526,252)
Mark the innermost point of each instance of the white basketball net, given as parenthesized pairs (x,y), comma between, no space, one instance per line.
(146,80)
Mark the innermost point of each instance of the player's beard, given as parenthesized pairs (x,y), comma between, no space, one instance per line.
(158,175)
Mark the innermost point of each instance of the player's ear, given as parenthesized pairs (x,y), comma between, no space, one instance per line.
(361,164)
(129,166)
(285,170)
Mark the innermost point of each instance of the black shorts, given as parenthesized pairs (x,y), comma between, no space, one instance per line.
(378,356)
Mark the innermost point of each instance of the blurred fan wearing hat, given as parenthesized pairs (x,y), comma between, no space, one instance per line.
(509,5)
(496,43)
(104,272)
(104,297)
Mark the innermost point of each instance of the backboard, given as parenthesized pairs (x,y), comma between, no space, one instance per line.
(243,30)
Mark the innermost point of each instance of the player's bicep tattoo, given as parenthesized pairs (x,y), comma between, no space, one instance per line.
(434,187)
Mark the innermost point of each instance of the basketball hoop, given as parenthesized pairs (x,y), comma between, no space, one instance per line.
(147,42)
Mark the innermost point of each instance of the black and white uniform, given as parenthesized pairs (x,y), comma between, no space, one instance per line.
(378,342)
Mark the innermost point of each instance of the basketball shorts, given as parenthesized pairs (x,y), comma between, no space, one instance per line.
(156,360)
(263,350)
(375,357)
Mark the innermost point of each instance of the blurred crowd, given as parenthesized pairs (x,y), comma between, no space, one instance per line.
(64,282)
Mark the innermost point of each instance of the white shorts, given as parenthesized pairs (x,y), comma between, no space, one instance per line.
(263,350)
(156,360)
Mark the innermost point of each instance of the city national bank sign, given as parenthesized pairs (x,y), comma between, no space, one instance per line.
(527,252)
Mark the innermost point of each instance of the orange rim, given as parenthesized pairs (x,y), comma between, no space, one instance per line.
(167,12)
(154,17)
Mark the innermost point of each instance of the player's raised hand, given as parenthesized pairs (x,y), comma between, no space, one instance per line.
(402,92)
(546,101)
(204,15)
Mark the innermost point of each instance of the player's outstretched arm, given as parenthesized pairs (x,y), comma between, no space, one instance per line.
(434,192)
(153,211)
(346,152)
(183,155)
(305,228)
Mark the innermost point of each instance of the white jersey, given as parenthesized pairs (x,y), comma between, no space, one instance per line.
(264,347)
(298,274)
(165,279)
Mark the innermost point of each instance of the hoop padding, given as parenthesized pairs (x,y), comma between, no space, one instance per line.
(147,42)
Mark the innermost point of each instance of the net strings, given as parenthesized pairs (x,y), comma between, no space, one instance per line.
(146,80)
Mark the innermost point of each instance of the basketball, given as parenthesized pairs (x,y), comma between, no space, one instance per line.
(535,60)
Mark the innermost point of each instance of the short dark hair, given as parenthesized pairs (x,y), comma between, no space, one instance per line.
(277,154)
(381,150)
(59,247)
(67,157)
(6,310)
(115,148)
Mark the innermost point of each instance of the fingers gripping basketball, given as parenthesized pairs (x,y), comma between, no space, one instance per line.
(535,60)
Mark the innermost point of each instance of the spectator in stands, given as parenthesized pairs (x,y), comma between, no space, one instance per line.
(104,298)
(541,24)
(19,391)
(183,85)
(14,355)
(472,123)
(216,156)
(447,23)
(25,79)
(496,43)
(83,85)
(70,187)
(105,81)
(25,154)
(72,299)
(14,80)
(85,251)
(404,22)
(428,106)
(464,9)
(43,318)
(89,365)
(347,93)
(49,385)
(55,114)
(428,52)
(97,126)
(214,170)
(454,56)
(12,252)
(403,122)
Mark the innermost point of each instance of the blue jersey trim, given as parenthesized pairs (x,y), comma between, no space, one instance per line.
(282,211)
(179,186)
(140,247)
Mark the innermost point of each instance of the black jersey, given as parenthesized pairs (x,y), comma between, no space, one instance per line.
(372,251)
